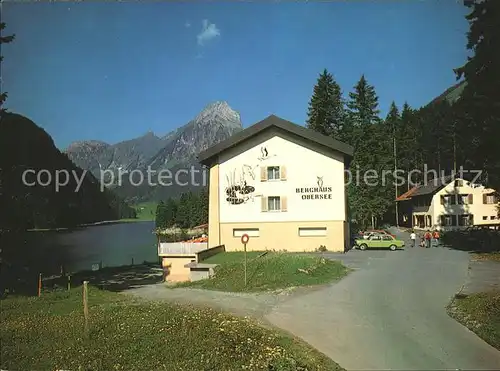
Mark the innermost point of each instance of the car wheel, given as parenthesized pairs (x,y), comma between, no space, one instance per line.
(362,246)
(393,247)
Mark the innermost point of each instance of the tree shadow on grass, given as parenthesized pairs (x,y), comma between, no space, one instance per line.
(114,279)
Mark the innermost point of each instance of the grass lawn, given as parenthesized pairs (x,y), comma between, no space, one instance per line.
(47,333)
(270,272)
(145,211)
(494,256)
(481,314)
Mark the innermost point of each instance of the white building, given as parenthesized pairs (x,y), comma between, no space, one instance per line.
(281,184)
(449,203)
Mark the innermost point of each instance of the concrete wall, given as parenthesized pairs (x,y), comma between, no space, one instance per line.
(178,272)
(285,236)
(205,254)
(303,165)
(476,208)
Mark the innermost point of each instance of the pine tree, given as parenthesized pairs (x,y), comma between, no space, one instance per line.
(4,40)
(170,212)
(204,206)
(368,200)
(183,211)
(480,105)
(326,107)
(160,219)
(363,104)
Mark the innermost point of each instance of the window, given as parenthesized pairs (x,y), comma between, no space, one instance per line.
(448,220)
(493,217)
(465,199)
(387,238)
(273,173)
(252,232)
(448,200)
(312,231)
(375,238)
(485,218)
(428,221)
(465,220)
(273,203)
(459,183)
(489,199)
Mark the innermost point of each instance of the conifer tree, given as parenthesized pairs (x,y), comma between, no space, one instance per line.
(160,220)
(326,108)
(368,199)
(479,104)
(4,40)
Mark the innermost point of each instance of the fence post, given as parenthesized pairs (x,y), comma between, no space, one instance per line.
(69,282)
(85,306)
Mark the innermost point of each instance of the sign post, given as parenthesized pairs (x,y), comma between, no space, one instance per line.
(244,241)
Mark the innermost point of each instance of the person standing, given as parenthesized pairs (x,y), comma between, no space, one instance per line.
(436,236)
(428,238)
(413,238)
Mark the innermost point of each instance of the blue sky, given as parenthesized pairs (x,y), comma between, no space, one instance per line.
(113,71)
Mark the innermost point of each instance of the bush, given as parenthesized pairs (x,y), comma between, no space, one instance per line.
(322,248)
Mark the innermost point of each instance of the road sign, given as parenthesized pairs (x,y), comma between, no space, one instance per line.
(244,239)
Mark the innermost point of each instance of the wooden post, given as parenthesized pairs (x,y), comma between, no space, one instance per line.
(132,261)
(85,306)
(39,284)
(245,249)
(69,282)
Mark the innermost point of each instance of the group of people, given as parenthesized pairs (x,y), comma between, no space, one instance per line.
(427,240)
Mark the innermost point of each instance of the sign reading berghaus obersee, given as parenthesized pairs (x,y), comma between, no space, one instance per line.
(316,193)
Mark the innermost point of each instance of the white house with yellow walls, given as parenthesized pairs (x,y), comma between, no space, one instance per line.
(451,203)
(282,185)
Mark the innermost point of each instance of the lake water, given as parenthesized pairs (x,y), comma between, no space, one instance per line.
(111,244)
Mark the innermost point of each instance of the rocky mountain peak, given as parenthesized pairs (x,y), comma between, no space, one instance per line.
(220,111)
(86,145)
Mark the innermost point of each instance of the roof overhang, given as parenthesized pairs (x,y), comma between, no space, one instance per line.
(208,156)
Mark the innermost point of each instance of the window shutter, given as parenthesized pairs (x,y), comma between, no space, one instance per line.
(263,203)
(470,199)
(263,174)
(485,198)
(471,219)
(442,200)
(443,221)
(283,202)
(282,172)
(453,220)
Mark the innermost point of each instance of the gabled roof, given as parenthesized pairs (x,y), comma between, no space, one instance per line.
(431,186)
(274,121)
(407,195)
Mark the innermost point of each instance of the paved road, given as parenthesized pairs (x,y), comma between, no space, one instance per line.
(390,314)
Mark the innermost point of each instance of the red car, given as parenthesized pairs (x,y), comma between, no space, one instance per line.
(382,231)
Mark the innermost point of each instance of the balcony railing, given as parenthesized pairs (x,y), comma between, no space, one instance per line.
(184,248)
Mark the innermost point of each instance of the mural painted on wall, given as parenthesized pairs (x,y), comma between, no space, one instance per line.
(238,185)
(264,154)
(239,188)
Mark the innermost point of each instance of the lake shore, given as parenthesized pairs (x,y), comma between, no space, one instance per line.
(104,222)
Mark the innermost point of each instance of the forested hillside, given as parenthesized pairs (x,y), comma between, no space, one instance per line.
(460,128)
(26,204)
